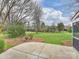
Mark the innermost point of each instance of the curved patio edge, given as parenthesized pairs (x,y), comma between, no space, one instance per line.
(36,50)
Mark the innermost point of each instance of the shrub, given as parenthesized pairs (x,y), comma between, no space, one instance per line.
(69,29)
(60,27)
(1,28)
(2,44)
(29,36)
(15,30)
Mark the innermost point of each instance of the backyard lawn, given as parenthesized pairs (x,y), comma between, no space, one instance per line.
(54,38)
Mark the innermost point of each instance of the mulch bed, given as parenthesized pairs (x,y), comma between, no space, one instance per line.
(18,41)
(67,43)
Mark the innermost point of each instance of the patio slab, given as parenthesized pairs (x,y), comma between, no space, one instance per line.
(35,50)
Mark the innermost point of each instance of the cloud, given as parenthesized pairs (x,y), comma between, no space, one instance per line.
(51,15)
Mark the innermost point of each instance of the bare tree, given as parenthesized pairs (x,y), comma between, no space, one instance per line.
(18,11)
(21,11)
(5,7)
(11,10)
(43,26)
(37,17)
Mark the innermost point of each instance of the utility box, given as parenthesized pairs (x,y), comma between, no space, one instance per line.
(75,26)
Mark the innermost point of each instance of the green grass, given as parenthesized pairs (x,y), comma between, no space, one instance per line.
(3,36)
(7,46)
(54,38)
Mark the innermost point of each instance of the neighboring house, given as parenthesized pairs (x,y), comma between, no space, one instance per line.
(75,24)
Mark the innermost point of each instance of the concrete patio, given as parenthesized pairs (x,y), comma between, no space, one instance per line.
(33,50)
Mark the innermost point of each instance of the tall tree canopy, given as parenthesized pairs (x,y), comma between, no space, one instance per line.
(60,26)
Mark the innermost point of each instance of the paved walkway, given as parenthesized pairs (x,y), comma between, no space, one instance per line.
(33,50)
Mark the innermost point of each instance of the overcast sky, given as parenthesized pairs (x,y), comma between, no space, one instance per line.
(56,11)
